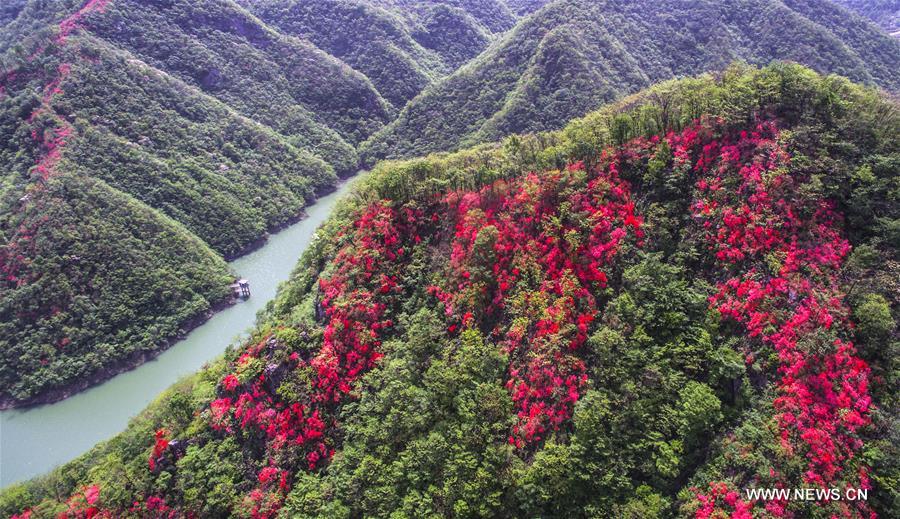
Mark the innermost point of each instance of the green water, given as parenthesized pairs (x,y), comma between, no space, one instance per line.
(35,440)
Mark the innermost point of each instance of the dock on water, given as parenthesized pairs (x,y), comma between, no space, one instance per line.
(241,289)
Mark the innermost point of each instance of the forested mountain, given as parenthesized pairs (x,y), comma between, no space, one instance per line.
(401,45)
(368,38)
(885,13)
(682,295)
(113,169)
(203,122)
(143,142)
(315,101)
(573,55)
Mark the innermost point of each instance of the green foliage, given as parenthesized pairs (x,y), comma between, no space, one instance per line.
(294,88)
(873,318)
(213,477)
(573,56)
(365,36)
(402,46)
(428,436)
(452,33)
(111,281)
(669,405)
(698,411)
(185,154)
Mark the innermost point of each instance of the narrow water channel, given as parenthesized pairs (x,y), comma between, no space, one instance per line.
(35,440)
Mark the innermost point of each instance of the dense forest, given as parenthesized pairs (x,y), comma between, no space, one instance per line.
(207,127)
(612,259)
(684,294)
(211,123)
(573,55)
(123,188)
(885,13)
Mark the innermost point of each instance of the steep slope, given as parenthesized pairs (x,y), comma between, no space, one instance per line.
(637,316)
(363,35)
(885,13)
(572,54)
(163,142)
(401,46)
(93,282)
(453,34)
(317,102)
(205,127)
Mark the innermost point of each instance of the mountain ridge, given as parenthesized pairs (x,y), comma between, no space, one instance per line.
(452,114)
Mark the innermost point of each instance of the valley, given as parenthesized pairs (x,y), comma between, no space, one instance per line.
(607,259)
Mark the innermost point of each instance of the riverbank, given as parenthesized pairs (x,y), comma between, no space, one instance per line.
(138,358)
(35,439)
(275,229)
(133,361)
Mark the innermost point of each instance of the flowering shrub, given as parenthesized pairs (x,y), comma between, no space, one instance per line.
(783,252)
(528,261)
(520,260)
(155,507)
(159,447)
(721,501)
(354,301)
(85,505)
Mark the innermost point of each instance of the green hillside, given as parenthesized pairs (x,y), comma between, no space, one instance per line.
(401,46)
(573,55)
(453,34)
(94,283)
(682,295)
(885,13)
(363,35)
(164,119)
(195,114)
(156,145)
(314,100)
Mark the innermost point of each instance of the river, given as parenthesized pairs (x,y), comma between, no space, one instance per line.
(35,440)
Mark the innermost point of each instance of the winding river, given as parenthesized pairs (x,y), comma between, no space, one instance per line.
(35,440)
